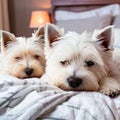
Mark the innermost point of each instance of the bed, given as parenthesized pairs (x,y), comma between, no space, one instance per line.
(35,99)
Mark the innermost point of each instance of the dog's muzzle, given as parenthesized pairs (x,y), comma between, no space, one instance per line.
(74,82)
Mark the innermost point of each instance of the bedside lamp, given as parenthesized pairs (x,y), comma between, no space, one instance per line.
(39,18)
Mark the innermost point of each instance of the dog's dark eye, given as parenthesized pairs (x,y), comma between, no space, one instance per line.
(36,56)
(89,63)
(17,58)
(65,63)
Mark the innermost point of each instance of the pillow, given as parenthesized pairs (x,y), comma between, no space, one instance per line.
(89,24)
(117,37)
(113,9)
(116,21)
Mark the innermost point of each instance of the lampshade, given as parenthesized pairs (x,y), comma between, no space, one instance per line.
(39,18)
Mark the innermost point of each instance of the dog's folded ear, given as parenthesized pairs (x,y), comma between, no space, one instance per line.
(5,38)
(105,37)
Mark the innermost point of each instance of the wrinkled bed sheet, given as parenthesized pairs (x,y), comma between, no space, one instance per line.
(35,99)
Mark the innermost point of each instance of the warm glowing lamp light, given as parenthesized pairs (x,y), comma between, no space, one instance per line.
(39,18)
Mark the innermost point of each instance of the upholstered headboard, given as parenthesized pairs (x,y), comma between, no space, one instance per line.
(78,5)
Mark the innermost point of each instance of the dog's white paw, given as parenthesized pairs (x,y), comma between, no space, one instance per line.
(110,92)
(110,87)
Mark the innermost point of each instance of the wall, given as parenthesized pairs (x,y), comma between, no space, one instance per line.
(20,12)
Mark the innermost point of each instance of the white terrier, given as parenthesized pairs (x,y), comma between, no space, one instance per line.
(81,62)
(22,57)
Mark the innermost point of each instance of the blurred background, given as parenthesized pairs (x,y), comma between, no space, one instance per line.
(16,15)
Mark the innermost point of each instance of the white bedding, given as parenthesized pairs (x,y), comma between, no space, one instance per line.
(33,98)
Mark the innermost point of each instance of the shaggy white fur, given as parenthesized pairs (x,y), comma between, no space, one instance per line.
(81,62)
(22,57)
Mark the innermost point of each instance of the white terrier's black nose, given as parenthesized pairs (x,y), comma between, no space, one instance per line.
(28,71)
(74,82)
